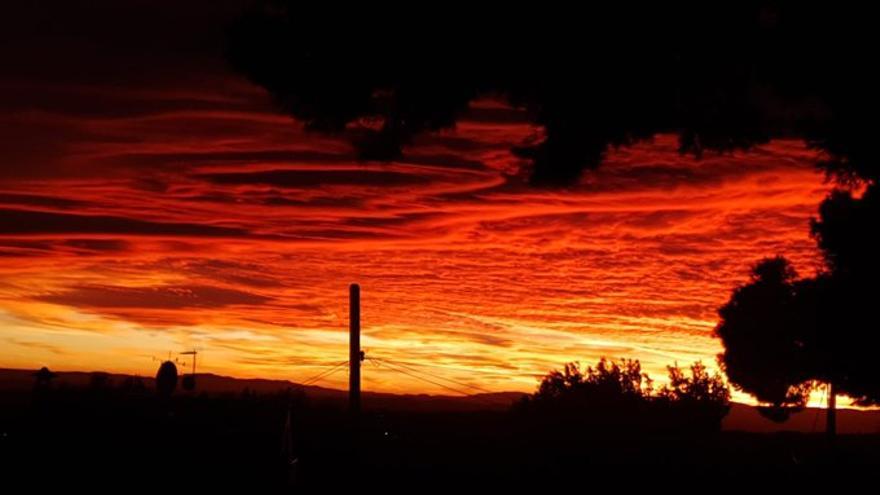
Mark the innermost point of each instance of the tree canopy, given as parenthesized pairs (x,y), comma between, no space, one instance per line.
(783,334)
(721,76)
(618,395)
(847,293)
(763,333)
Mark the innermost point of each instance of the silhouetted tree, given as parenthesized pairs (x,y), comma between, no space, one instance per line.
(700,386)
(845,232)
(761,330)
(616,396)
(166,379)
(781,335)
(608,396)
(699,397)
(609,379)
(721,76)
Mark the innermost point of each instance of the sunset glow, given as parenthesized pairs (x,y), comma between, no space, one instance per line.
(151,201)
(205,219)
(283,247)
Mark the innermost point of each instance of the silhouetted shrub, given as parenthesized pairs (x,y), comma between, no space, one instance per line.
(698,400)
(616,396)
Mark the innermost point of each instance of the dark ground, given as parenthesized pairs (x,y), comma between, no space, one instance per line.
(108,439)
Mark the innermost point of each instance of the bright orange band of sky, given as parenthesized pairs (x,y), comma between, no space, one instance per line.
(144,218)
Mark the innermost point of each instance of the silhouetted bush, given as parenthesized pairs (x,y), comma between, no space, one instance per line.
(698,401)
(616,396)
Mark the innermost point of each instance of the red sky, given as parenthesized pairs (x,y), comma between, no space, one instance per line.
(150,201)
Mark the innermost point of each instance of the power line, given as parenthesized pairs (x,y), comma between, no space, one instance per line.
(387,365)
(486,400)
(323,374)
(409,366)
(463,384)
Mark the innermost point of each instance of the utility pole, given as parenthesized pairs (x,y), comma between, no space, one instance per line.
(831,413)
(354,349)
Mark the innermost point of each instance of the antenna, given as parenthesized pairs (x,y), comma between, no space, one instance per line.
(192,353)
(189,381)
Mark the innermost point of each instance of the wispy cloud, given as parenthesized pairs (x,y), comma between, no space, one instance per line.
(166,212)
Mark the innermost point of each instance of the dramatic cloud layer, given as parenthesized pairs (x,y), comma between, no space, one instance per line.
(170,212)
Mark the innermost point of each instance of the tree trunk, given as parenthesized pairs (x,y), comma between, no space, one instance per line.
(831,413)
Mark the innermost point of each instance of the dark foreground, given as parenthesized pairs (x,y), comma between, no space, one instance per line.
(104,440)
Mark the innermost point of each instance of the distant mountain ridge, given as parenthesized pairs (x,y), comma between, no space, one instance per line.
(18,379)
(742,417)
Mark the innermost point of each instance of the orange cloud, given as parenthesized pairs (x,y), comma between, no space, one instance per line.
(463,267)
(168,212)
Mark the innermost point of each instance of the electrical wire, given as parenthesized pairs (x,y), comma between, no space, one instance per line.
(387,365)
(409,366)
(323,374)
